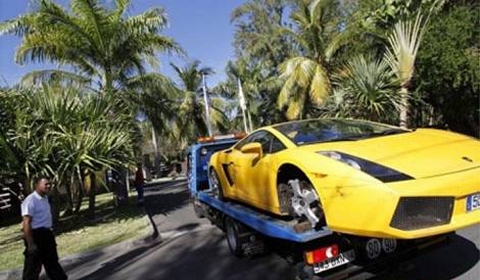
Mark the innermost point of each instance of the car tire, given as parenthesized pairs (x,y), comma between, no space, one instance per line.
(285,194)
(216,187)
(232,232)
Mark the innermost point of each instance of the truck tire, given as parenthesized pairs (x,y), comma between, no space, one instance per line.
(232,231)
(215,184)
(196,208)
(305,273)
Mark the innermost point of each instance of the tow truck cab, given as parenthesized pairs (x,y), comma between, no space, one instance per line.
(198,156)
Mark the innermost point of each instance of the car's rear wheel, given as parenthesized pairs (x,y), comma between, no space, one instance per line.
(216,188)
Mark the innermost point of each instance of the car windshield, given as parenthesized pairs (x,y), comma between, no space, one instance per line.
(329,130)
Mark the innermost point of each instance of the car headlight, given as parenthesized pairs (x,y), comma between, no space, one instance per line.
(382,173)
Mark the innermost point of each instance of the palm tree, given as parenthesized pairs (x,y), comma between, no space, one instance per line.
(192,108)
(105,47)
(258,37)
(307,76)
(365,88)
(404,43)
(261,46)
(258,89)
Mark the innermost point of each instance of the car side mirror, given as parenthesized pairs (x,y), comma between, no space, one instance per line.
(252,148)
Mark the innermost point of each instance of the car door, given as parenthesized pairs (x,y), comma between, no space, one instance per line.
(258,173)
(238,167)
(231,162)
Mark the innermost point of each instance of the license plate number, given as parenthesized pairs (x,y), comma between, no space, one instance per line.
(341,259)
(473,202)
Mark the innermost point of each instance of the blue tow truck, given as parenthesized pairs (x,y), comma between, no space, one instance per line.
(315,254)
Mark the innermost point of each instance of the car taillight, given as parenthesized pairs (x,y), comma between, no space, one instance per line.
(321,254)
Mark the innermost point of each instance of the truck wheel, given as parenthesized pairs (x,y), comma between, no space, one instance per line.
(197,209)
(234,243)
(304,272)
(215,184)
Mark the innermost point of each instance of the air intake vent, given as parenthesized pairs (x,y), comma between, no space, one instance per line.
(414,213)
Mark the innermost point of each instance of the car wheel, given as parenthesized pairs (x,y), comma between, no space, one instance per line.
(232,231)
(305,203)
(216,188)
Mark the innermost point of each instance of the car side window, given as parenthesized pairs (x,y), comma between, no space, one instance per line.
(276,145)
(255,137)
(270,143)
(265,142)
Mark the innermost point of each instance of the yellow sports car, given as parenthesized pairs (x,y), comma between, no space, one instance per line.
(355,177)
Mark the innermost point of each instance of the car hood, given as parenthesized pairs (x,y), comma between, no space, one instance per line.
(420,154)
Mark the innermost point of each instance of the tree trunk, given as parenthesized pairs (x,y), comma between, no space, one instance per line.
(81,192)
(91,196)
(404,107)
(54,205)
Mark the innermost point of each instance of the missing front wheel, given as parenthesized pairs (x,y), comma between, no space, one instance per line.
(304,203)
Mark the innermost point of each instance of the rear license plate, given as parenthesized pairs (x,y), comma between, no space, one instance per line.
(341,259)
(473,202)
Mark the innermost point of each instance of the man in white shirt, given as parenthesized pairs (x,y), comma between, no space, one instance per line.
(40,246)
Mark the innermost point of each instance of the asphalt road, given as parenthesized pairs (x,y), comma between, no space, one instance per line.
(191,248)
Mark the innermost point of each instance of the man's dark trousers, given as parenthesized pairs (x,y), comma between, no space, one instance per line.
(46,254)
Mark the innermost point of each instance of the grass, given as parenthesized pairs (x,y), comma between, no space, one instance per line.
(77,234)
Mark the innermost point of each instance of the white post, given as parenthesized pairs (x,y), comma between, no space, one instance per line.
(250,126)
(207,108)
(243,104)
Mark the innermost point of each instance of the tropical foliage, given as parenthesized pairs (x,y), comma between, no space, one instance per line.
(65,134)
(105,47)
(404,43)
(197,118)
(307,75)
(376,60)
(390,33)
(106,52)
(366,88)
(448,74)
(261,46)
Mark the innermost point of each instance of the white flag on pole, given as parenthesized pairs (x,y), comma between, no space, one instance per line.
(241,97)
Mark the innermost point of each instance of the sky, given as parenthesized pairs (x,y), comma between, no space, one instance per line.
(201,27)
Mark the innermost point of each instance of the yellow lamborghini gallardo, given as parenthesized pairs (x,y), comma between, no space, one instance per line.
(355,177)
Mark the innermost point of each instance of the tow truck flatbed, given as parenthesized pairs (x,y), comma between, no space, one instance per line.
(265,224)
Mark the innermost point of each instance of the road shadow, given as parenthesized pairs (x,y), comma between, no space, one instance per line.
(116,263)
(205,255)
(188,227)
(165,202)
(442,263)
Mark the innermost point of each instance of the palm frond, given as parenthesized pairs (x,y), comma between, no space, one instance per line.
(42,76)
(404,43)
